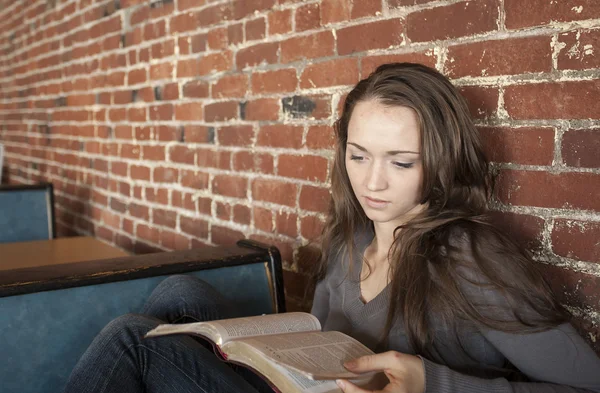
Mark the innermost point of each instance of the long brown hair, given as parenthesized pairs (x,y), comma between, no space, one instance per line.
(450,245)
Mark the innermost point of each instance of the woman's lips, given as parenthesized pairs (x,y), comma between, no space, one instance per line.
(376,203)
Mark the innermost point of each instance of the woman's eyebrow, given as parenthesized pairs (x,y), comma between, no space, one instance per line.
(389,153)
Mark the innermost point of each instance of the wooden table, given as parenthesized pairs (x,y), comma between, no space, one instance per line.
(54,252)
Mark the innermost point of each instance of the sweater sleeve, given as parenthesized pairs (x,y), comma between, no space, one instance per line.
(558,360)
(320,305)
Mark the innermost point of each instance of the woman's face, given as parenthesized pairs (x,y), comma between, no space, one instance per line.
(383,161)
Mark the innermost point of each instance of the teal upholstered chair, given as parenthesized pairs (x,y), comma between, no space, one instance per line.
(49,315)
(26,212)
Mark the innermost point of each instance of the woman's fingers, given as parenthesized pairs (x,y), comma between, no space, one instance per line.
(381,361)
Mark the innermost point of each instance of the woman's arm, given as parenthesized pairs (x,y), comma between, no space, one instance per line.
(558,360)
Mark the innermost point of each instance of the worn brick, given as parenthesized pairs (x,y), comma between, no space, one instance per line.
(580,148)
(528,146)
(576,239)
(475,17)
(570,190)
(374,35)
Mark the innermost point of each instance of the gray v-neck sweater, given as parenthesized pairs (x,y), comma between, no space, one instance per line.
(558,360)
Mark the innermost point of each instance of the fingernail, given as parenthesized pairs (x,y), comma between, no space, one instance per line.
(350,364)
(340,383)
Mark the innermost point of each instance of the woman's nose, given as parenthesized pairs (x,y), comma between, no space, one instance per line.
(376,180)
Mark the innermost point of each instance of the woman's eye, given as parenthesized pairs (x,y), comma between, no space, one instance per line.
(405,165)
(356,158)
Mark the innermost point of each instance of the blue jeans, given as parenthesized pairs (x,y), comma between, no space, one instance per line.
(120,360)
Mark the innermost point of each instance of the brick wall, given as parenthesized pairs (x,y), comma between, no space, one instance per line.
(172,124)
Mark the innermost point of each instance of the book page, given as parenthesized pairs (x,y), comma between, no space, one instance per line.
(316,355)
(225,330)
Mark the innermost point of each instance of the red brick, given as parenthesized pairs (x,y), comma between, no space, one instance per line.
(563,190)
(165,175)
(224,236)
(183,22)
(526,230)
(194,226)
(579,50)
(230,86)
(182,154)
(241,214)
(161,71)
(137,114)
(233,186)
(165,218)
(155,30)
(214,159)
(528,146)
(256,29)
(370,63)
(277,81)
(263,219)
(576,239)
(138,172)
(280,21)
(194,179)
(573,288)
(223,211)
(174,241)
(314,198)
(280,135)
(282,193)
(561,100)
(330,73)
(235,136)
(243,8)
(153,153)
(375,35)
(183,5)
(217,38)
(161,112)
(168,133)
(262,109)
(198,42)
(308,17)
(311,227)
(311,46)
(189,111)
(540,12)
(196,89)
(158,195)
(197,134)
(187,68)
(235,34)
(215,62)
(580,148)
(487,58)
(170,92)
(257,54)
(221,111)
(255,162)
(333,11)
(145,232)
(306,167)
(475,17)
(482,100)
(320,137)
(130,151)
(287,223)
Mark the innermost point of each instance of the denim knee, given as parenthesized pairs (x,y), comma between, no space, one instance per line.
(183,298)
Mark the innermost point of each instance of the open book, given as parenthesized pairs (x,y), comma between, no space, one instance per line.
(289,350)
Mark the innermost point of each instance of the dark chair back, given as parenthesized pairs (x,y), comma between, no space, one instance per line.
(26,212)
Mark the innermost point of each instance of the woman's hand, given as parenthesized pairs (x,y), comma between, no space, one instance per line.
(405,373)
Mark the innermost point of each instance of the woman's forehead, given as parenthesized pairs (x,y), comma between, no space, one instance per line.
(384,127)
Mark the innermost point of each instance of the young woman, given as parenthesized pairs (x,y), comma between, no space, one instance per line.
(410,267)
